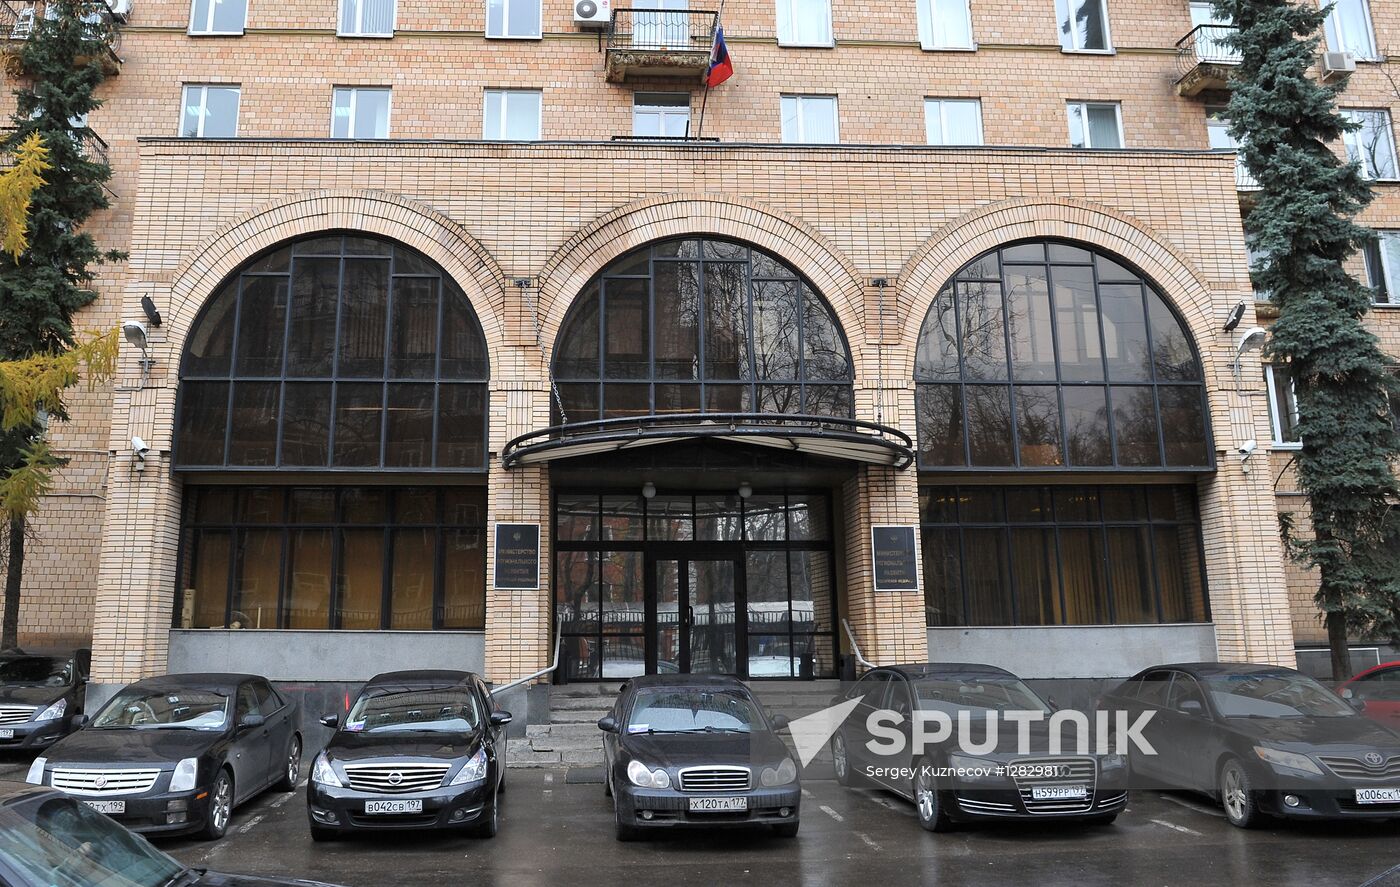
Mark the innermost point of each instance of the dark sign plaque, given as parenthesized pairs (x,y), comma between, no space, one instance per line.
(518,557)
(896,557)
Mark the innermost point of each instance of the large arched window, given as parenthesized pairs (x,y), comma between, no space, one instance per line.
(698,325)
(338,351)
(1048,356)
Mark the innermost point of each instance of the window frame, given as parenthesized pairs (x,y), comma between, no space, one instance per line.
(942,102)
(789,39)
(928,28)
(1389,282)
(1334,33)
(204,104)
(662,110)
(1350,144)
(1074,35)
(209,31)
(1084,105)
(342,31)
(1277,441)
(505,93)
(802,99)
(354,92)
(505,21)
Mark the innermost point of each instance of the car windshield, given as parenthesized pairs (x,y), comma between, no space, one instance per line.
(36,671)
(450,710)
(692,710)
(1000,693)
(187,709)
(1274,695)
(60,842)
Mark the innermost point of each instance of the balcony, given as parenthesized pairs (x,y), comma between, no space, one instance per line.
(660,43)
(1205,60)
(17,21)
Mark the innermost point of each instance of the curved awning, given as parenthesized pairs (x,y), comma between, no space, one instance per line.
(850,440)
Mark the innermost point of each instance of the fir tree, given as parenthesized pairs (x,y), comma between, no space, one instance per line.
(1285,123)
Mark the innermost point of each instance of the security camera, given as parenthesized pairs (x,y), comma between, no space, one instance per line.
(1247,448)
(140,448)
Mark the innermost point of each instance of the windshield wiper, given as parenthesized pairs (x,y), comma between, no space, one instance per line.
(181,877)
(698,730)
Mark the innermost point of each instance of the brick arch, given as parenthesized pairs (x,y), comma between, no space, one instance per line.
(413,224)
(626,228)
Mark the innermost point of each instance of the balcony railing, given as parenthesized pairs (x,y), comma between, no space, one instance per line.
(660,43)
(1205,59)
(1244,179)
(18,20)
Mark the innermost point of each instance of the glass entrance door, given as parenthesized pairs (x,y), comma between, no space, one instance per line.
(694,607)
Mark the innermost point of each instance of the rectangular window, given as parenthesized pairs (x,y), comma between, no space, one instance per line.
(366,18)
(210,112)
(945,24)
(1095,125)
(512,115)
(1083,25)
(661,114)
(513,19)
(1210,35)
(1219,138)
(1348,28)
(1283,406)
(953,121)
(809,120)
(218,16)
(1382,255)
(1256,258)
(804,22)
(1373,145)
(359,113)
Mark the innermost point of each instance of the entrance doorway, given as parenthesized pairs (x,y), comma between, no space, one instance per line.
(692,612)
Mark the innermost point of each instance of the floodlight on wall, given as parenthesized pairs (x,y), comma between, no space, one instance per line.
(135,332)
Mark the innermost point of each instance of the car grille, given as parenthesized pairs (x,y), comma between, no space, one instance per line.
(993,807)
(396,777)
(1081,771)
(715,779)
(75,781)
(1355,768)
(15,714)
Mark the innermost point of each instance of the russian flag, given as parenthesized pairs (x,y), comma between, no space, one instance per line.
(721,68)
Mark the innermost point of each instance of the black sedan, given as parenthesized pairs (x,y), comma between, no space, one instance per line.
(40,697)
(48,839)
(1262,740)
(418,750)
(949,784)
(176,754)
(696,750)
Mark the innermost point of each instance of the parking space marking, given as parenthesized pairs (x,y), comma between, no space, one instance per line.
(1176,828)
(1190,805)
(248,826)
(1395,869)
(889,803)
(869,842)
(832,813)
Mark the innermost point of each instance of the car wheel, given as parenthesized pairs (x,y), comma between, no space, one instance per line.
(841,760)
(929,801)
(1237,796)
(786,830)
(319,834)
(607,781)
(501,786)
(492,823)
(220,807)
(291,774)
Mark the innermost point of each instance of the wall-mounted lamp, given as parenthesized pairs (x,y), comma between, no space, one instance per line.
(148,308)
(1252,340)
(1235,316)
(135,332)
(648,490)
(745,490)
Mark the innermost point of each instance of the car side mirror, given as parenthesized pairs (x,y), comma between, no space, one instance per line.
(79,721)
(251,721)
(1347,693)
(331,721)
(1191,707)
(780,722)
(1054,706)
(608,724)
(500,718)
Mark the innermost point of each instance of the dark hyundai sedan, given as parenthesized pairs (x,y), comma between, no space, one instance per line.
(178,753)
(696,750)
(40,697)
(1263,740)
(418,750)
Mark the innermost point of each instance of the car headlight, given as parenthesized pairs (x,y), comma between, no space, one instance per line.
(35,776)
(780,775)
(969,769)
(643,776)
(321,772)
(183,779)
(53,712)
(1113,762)
(1287,760)
(473,770)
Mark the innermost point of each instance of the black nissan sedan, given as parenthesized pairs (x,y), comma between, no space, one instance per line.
(48,839)
(696,750)
(949,783)
(1263,740)
(418,750)
(40,697)
(176,754)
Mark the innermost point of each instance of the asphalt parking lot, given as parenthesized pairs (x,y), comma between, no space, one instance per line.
(558,833)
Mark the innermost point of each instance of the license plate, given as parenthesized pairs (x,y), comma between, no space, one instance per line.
(394,806)
(1378,796)
(719,805)
(7,733)
(1059,792)
(107,806)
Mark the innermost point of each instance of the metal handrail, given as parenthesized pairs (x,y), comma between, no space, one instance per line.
(558,643)
(1205,44)
(662,30)
(855,646)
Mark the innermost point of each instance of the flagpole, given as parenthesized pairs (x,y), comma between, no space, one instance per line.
(704,102)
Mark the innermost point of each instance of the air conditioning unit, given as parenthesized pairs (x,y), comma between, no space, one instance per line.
(592,13)
(1337,66)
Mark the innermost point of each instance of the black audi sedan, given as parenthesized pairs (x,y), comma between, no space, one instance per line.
(947,783)
(418,750)
(1263,740)
(48,839)
(176,754)
(696,750)
(40,697)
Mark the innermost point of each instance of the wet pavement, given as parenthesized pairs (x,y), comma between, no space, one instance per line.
(558,833)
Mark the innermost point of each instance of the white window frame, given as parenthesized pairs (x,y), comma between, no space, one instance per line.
(785,35)
(928,28)
(941,102)
(505,21)
(208,26)
(1075,37)
(664,110)
(1275,428)
(354,100)
(1349,142)
(802,99)
(1332,27)
(204,103)
(505,105)
(1084,105)
(342,31)
(1388,270)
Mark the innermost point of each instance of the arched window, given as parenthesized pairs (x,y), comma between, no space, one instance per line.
(690,326)
(338,351)
(1049,356)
